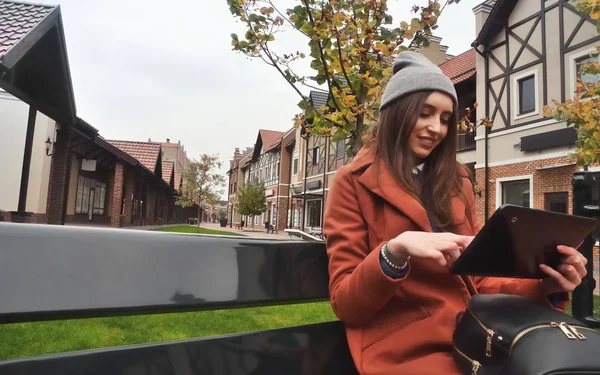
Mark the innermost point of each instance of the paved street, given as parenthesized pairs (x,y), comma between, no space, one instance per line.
(259,231)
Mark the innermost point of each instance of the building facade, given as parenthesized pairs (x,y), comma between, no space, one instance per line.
(265,166)
(528,54)
(13,118)
(307,164)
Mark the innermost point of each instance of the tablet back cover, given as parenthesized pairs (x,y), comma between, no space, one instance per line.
(516,240)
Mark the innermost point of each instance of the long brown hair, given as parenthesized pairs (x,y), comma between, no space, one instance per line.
(389,139)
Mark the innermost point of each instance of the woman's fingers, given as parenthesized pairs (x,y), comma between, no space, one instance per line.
(567,279)
(571,252)
(577,263)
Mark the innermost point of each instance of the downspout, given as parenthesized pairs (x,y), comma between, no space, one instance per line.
(486,171)
(304,177)
(290,195)
(278,188)
(325,164)
(487,130)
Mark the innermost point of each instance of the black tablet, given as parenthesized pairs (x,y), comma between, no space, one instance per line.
(516,240)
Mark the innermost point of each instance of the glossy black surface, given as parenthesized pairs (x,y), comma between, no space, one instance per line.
(309,350)
(516,240)
(57,272)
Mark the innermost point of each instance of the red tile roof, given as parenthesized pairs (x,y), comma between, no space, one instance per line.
(146,152)
(177,180)
(167,171)
(461,67)
(17,19)
(270,138)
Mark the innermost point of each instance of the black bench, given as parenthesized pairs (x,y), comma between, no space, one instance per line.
(55,272)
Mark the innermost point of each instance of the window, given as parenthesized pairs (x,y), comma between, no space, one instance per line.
(587,77)
(516,192)
(557,202)
(315,155)
(340,149)
(313,216)
(577,66)
(295,168)
(526,95)
(91,195)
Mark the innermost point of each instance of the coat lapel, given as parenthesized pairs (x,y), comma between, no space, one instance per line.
(385,187)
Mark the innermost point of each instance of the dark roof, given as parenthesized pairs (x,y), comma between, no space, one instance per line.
(146,152)
(496,20)
(34,65)
(17,19)
(319,98)
(461,67)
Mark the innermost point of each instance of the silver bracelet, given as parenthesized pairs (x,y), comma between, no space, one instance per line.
(391,259)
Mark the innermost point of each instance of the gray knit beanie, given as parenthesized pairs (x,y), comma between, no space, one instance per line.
(413,72)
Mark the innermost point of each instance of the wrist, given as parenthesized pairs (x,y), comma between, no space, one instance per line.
(394,259)
(397,248)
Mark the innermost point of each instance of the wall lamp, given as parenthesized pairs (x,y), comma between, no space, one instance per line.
(49,145)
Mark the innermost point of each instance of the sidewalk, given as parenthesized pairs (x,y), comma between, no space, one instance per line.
(259,232)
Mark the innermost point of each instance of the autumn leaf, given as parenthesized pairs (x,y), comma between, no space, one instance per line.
(351,48)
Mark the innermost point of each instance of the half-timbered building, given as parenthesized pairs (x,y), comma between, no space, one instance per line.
(265,167)
(528,54)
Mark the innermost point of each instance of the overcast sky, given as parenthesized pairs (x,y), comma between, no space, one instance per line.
(158,69)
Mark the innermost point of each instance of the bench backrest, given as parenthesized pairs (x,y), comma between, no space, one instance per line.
(56,272)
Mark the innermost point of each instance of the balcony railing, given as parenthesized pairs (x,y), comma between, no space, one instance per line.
(466,141)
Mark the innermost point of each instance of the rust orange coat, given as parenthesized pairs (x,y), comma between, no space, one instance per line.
(401,326)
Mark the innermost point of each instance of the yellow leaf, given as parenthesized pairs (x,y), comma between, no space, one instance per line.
(595,15)
(339,17)
(372,81)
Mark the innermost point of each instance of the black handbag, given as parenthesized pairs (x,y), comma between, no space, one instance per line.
(501,334)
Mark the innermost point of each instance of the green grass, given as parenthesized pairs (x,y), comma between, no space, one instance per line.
(29,339)
(194,229)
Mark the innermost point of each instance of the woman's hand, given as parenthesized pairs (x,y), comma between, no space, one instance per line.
(444,248)
(569,273)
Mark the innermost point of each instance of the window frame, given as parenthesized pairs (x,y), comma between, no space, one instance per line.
(564,194)
(573,69)
(516,94)
(501,180)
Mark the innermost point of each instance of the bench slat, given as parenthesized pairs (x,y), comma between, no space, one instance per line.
(317,349)
(57,272)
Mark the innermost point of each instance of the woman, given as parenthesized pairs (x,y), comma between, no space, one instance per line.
(397,217)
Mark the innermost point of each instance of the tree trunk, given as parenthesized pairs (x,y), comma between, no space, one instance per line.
(199,218)
(253,223)
(360,121)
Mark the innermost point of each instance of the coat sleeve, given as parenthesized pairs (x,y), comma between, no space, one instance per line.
(524,287)
(358,287)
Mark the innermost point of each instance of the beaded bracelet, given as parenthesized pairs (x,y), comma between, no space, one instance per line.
(388,256)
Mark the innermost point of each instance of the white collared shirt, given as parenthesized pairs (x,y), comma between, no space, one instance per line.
(418,168)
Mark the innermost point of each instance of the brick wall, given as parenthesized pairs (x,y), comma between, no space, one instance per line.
(58,178)
(33,218)
(282,213)
(550,180)
(117,198)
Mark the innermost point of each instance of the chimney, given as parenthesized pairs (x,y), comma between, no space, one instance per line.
(482,11)
(149,139)
(168,140)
